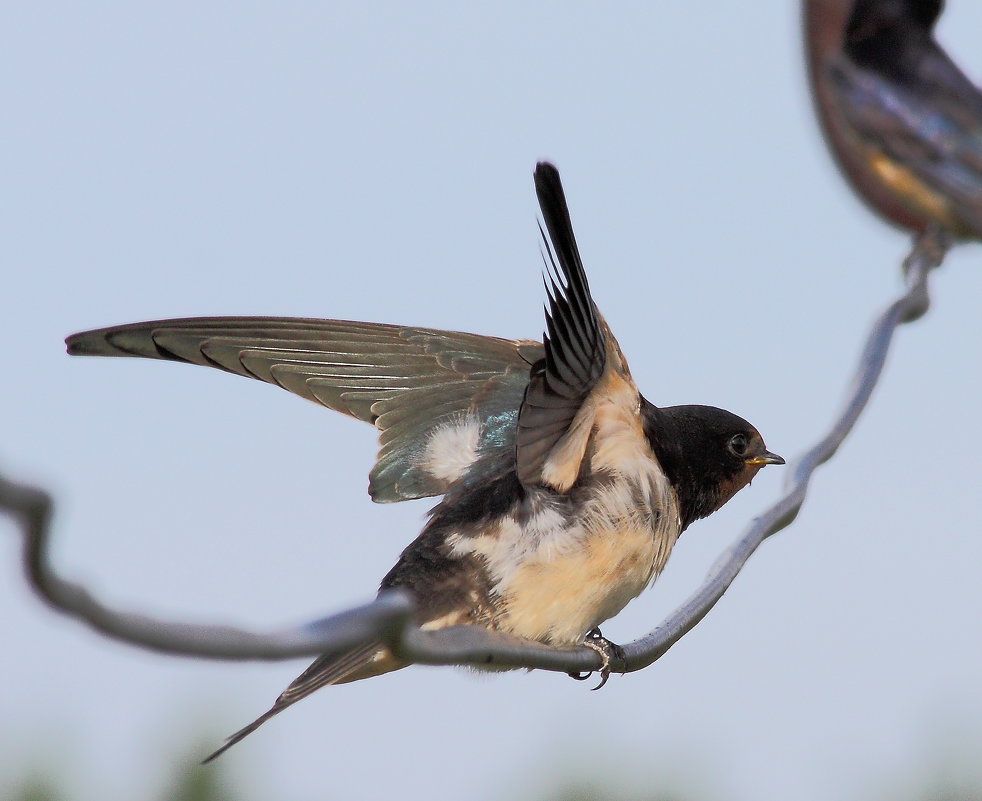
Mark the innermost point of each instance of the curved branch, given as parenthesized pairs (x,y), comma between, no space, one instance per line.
(34,508)
(390,616)
(928,252)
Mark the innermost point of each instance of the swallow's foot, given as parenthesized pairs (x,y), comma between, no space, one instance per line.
(608,651)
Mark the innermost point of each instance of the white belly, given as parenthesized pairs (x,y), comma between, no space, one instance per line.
(559,599)
(569,565)
(563,573)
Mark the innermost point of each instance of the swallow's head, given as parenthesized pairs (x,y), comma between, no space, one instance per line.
(708,454)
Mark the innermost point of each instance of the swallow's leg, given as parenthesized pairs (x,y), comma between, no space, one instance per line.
(607,650)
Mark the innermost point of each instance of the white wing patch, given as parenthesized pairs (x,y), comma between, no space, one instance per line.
(508,545)
(452,448)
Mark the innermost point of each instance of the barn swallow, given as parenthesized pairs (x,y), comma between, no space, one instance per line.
(903,122)
(563,488)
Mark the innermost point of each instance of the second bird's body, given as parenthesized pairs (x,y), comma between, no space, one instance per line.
(901,118)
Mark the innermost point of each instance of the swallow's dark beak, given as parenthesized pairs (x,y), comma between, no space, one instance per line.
(765,458)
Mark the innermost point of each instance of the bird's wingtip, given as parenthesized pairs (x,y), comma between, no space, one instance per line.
(78,345)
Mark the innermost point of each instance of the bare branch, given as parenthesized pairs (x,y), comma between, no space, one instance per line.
(34,507)
(390,617)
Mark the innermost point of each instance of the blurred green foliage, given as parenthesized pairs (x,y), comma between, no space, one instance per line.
(948,780)
(36,788)
(593,792)
(200,784)
(195,783)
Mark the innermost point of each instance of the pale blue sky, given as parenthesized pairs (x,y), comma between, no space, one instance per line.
(365,162)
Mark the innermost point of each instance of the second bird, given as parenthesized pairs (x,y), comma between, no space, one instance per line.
(564,489)
(902,120)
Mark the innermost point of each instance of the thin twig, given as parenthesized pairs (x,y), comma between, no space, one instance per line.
(390,617)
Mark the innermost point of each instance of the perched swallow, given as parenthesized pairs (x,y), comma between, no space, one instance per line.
(563,489)
(902,120)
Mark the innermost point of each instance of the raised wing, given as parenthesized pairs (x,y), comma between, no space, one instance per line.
(575,354)
(411,383)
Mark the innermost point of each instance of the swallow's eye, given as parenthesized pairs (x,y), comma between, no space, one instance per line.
(738,445)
